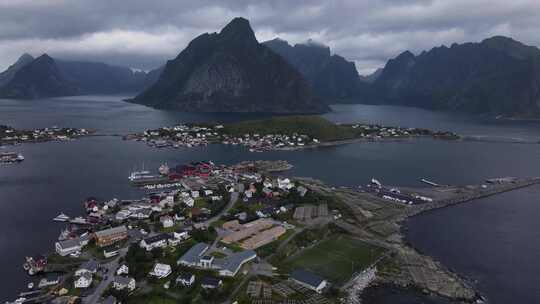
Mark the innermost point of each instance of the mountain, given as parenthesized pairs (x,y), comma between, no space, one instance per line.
(44,76)
(101,78)
(8,74)
(331,76)
(372,77)
(38,79)
(231,71)
(498,76)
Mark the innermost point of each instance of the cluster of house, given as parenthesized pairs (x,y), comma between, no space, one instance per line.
(257,142)
(84,275)
(192,136)
(197,257)
(104,239)
(178,136)
(11,135)
(378,132)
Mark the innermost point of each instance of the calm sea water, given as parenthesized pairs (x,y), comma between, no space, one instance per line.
(494,241)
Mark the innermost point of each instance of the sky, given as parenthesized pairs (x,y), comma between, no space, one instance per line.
(144,34)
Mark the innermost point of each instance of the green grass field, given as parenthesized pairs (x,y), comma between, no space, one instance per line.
(335,259)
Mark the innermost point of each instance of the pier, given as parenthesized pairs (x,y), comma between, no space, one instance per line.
(475,194)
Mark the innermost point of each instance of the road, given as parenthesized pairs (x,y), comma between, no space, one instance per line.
(232,200)
(111,267)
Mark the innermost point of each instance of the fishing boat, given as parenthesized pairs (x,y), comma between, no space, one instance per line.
(79,220)
(61,218)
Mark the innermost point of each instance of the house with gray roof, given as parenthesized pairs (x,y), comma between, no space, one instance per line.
(193,255)
(309,280)
(124,283)
(90,266)
(230,265)
(68,247)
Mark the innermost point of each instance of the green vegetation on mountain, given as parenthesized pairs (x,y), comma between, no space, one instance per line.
(314,126)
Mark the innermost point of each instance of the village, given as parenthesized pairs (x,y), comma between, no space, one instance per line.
(217,229)
(270,135)
(12,136)
(246,233)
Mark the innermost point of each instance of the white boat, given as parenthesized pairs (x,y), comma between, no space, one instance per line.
(138,174)
(61,218)
(79,220)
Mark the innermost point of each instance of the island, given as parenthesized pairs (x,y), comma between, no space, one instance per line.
(247,233)
(12,136)
(279,133)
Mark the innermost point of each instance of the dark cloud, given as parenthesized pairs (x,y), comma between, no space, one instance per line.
(143,34)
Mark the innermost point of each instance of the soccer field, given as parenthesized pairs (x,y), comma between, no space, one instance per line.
(336,259)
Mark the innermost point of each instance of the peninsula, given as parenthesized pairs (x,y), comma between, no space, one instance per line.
(246,233)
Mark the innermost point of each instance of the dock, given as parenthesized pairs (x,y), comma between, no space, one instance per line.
(476,194)
(423,180)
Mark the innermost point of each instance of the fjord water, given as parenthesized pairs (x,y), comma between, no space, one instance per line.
(494,241)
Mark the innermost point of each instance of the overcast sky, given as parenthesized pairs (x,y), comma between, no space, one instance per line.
(145,33)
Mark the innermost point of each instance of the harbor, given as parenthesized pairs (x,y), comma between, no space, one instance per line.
(48,189)
(10,157)
(204,181)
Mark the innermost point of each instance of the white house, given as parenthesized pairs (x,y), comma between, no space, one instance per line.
(161,270)
(111,251)
(206,261)
(248,193)
(90,266)
(181,234)
(168,201)
(166,221)
(185,279)
(195,194)
(285,183)
(124,283)
(208,192)
(123,269)
(122,215)
(68,247)
(188,201)
(84,281)
(157,241)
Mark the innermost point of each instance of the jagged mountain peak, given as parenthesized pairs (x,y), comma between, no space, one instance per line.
(238,29)
(231,72)
(24,58)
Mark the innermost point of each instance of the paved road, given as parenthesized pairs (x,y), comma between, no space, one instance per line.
(111,267)
(232,200)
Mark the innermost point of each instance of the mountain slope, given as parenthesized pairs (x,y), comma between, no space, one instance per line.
(231,72)
(331,76)
(38,79)
(7,75)
(62,78)
(498,76)
(96,77)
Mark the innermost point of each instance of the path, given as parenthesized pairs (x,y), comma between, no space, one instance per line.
(110,273)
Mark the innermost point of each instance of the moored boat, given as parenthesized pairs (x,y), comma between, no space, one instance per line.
(61,218)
